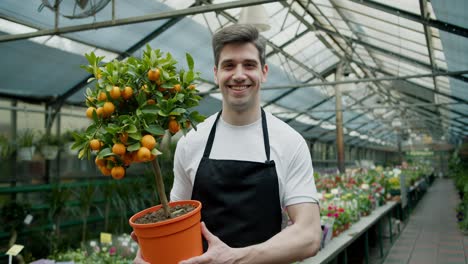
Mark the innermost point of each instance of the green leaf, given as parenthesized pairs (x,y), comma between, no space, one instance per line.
(190,62)
(150,109)
(178,111)
(156,152)
(197,117)
(189,76)
(105,153)
(131,129)
(141,98)
(134,147)
(136,136)
(162,113)
(155,130)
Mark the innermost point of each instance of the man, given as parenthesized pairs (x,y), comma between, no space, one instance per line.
(245,165)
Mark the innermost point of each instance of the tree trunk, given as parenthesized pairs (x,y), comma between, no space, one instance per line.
(160,187)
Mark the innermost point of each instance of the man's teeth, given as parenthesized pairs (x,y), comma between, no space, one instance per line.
(239,88)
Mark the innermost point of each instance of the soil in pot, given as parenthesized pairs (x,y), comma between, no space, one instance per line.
(158,216)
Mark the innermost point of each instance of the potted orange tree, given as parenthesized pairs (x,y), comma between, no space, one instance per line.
(135,103)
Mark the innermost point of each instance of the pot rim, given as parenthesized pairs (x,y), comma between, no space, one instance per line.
(168,221)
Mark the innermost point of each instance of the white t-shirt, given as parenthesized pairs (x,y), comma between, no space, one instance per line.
(287,148)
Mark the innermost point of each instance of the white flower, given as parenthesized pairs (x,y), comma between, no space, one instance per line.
(365,186)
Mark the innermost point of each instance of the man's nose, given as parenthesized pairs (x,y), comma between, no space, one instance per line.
(239,74)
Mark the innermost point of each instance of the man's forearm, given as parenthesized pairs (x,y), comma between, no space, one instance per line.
(299,241)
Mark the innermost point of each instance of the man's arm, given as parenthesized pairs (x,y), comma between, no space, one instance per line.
(296,242)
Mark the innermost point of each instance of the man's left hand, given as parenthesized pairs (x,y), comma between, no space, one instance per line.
(218,251)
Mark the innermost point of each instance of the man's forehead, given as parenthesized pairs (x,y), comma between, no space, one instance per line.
(239,52)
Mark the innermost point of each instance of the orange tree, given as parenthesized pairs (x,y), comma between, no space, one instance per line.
(134,102)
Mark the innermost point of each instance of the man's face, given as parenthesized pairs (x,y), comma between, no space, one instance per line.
(239,74)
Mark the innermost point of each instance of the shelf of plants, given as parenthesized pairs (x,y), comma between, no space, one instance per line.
(360,198)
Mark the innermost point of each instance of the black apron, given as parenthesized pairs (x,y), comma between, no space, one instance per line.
(241,203)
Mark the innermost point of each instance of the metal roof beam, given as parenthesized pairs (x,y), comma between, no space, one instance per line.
(382,50)
(331,116)
(442,25)
(138,19)
(326,72)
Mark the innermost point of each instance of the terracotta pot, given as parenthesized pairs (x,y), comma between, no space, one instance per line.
(172,240)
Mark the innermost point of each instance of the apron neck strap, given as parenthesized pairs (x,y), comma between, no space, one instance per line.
(266,141)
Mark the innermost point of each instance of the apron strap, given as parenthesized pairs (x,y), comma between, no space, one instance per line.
(209,144)
(266,141)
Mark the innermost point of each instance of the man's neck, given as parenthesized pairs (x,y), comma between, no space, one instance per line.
(241,118)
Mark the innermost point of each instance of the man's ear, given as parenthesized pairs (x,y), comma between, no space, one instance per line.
(215,70)
(264,73)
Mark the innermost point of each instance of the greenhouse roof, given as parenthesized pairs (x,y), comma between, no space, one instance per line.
(406,63)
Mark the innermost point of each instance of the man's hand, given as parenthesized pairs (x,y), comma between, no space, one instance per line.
(138,258)
(218,251)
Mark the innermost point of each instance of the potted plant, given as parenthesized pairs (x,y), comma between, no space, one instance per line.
(26,144)
(6,149)
(68,141)
(49,146)
(133,104)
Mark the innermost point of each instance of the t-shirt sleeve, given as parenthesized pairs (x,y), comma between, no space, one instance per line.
(182,187)
(300,184)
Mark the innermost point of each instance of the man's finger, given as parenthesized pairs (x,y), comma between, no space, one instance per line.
(207,234)
(134,237)
(197,260)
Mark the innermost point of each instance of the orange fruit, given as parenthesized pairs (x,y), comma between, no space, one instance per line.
(143,154)
(174,126)
(151,102)
(127,159)
(148,141)
(176,88)
(100,162)
(108,108)
(192,87)
(145,89)
(127,92)
(105,171)
(119,149)
(99,111)
(89,112)
(102,96)
(123,137)
(118,172)
(115,93)
(153,74)
(95,144)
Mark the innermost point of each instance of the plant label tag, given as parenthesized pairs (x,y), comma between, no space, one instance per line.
(14,250)
(106,238)
(28,219)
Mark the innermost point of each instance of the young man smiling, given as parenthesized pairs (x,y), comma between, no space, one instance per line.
(246,166)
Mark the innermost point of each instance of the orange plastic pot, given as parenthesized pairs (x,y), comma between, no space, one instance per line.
(172,240)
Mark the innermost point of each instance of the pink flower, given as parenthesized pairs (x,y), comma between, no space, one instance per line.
(112,251)
(329,214)
(336,215)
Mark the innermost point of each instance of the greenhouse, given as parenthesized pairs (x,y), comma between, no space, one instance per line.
(358,109)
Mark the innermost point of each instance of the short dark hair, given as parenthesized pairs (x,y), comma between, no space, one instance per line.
(238,34)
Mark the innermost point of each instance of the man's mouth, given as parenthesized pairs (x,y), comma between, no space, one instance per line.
(238,87)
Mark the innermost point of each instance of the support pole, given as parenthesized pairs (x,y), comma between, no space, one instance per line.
(339,121)
(13,134)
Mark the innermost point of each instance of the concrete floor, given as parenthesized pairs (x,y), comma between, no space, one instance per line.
(431,235)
